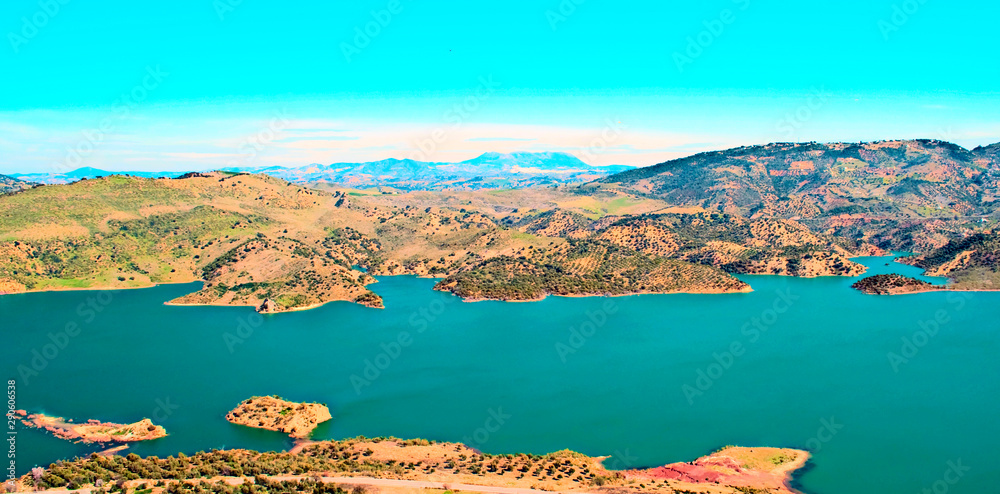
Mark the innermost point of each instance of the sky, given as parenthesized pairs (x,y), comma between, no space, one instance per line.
(202,84)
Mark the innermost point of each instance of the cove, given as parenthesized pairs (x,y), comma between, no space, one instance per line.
(603,376)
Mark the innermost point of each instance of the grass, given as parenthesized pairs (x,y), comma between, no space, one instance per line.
(977,278)
(517,235)
(780,459)
(69,283)
(499,192)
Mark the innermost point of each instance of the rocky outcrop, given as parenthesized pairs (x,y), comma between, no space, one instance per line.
(95,431)
(275,414)
(269,307)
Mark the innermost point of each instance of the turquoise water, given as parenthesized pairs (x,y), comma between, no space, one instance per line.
(815,373)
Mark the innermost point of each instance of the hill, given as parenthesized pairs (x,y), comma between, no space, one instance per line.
(739,245)
(892,284)
(973,262)
(259,241)
(584,268)
(231,230)
(731,243)
(889,179)
(10,184)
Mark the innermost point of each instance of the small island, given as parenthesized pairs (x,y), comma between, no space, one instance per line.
(94,431)
(273,413)
(893,284)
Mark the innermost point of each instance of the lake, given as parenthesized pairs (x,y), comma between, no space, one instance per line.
(888,393)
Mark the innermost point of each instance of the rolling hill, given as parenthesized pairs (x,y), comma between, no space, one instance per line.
(896,179)
(10,184)
(973,262)
(684,226)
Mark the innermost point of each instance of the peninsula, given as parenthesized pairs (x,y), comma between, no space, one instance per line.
(893,284)
(93,431)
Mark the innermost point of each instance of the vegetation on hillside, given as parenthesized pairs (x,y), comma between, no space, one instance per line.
(581,267)
(9,185)
(124,232)
(891,284)
(973,262)
(901,179)
(259,241)
(414,459)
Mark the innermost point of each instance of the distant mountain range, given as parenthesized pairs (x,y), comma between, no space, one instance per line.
(82,173)
(488,171)
(904,178)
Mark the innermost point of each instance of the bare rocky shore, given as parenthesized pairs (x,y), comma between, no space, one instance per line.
(273,413)
(94,431)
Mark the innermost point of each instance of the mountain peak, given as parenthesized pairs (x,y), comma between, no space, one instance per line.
(547,161)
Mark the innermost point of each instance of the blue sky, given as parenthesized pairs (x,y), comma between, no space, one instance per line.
(210,83)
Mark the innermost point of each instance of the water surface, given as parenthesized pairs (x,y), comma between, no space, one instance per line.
(812,368)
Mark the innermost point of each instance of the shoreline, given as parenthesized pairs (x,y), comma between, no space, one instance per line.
(475,300)
(296,309)
(171,302)
(595,295)
(101,288)
(757,469)
(944,290)
(731,470)
(793,467)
